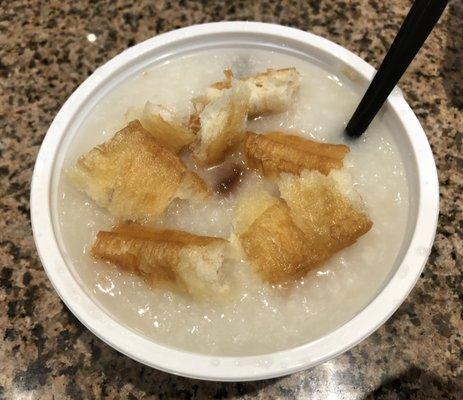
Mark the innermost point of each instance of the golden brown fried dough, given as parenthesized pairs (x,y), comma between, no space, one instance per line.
(220,115)
(325,208)
(130,175)
(192,187)
(283,240)
(274,245)
(194,123)
(169,131)
(226,83)
(277,152)
(189,262)
(250,204)
(271,91)
(222,125)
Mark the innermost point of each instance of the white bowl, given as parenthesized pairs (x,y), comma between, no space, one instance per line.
(409,135)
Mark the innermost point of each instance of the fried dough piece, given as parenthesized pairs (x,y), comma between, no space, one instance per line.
(250,204)
(225,84)
(169,131)
(194,123)
(215,90)
(189,262)
(325,208)
(271,92)
(277,152)
(223,123)
(220,115)
(194,120)
(192,187)
(132,176)
(274,245)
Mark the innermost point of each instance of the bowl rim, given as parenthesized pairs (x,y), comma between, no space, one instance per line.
(221,368)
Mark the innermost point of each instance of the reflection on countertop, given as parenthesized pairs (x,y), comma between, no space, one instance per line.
(47,49)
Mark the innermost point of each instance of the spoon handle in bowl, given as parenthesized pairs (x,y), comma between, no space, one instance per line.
(416,27)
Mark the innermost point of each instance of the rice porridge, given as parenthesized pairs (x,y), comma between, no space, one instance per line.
(258,317)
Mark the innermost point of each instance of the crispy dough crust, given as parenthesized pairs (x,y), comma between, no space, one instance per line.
(271,91)
(273,243)
(168,130)
(222,125)
(320,215)
(277,152)
(162,256)
(322,209)
(170,133)
(275,246)
(192,187)
(131,175)
(220,115)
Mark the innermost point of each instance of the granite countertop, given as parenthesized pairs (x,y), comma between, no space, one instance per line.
(47,48)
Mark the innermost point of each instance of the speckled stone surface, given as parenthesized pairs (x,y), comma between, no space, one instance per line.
(45,353)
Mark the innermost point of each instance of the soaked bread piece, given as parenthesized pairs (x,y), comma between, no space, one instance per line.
(220,115)
(273,243)
(271,91)
(326,208)
(250,204)
(194,122)
(319,216)
(132,176)
(225,84)
(188,262)
(168,130)
(277,152)
(223,123)
(193,188)
(214,91)
(275,246)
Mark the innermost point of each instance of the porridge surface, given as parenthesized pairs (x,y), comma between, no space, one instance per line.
(257,318)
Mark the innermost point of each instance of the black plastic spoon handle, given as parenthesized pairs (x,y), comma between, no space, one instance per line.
(416,27)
